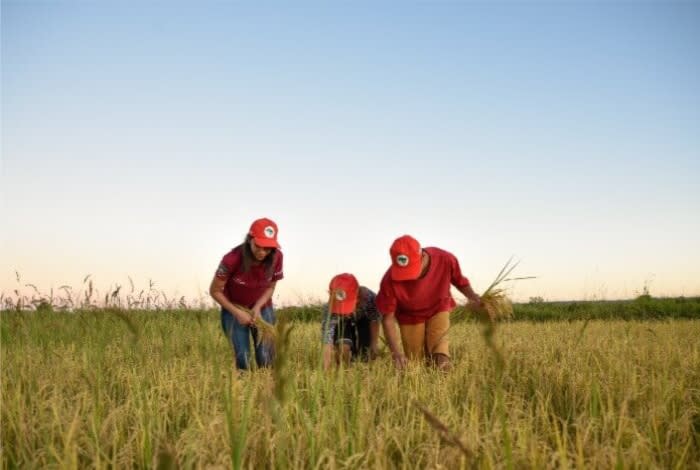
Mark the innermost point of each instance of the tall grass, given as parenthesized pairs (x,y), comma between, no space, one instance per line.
(88,297)
(139,389)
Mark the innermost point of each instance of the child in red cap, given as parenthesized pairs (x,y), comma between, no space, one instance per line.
(416,291)
(246,277)
(350,324)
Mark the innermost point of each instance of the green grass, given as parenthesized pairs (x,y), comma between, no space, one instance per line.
(641,308)
(109,388)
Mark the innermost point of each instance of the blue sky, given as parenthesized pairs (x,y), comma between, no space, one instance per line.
(141,139)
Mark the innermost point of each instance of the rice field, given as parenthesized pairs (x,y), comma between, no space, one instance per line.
(114,389)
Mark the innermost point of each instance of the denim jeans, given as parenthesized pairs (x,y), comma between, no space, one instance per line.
(239,337)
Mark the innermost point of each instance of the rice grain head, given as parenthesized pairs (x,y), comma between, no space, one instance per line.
(496,304)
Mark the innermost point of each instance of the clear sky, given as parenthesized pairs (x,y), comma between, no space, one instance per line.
(142,138)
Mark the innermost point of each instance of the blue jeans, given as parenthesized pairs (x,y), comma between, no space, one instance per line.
(239,337)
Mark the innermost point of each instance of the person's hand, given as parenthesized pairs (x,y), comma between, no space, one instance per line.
(256,315)
(400,361)
(475,300)
(243,318)
(478,308)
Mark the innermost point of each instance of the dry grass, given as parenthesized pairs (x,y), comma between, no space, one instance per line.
(87,296)
(496,306)
(266,331)
(89,390)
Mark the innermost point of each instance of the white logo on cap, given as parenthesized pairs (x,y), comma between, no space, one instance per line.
(269,231)
(402,260)
(340,295)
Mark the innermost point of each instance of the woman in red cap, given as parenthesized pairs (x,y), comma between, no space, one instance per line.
(246,277)
(416,291)
(350,325)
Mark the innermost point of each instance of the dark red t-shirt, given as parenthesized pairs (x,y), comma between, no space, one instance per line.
(416,301)
(245,288)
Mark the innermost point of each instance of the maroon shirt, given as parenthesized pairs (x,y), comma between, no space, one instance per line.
(245,288)
(416,301)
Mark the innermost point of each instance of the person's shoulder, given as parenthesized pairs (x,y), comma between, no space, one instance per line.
(439,252)
(369,304)
(387,276)
(386,286)
(370,292)
(233,255)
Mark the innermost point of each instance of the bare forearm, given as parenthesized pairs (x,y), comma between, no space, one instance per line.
(221,299)
(327,356)
(373,335)
(469,293)
(389,326)
(216,290)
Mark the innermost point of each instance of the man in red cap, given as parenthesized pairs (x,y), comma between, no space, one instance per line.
(350,322)
(246,277)
(416,291)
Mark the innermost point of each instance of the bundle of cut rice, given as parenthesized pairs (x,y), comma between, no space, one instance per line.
(267,334)
(496,305)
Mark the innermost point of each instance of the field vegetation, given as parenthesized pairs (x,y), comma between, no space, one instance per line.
(133,378)
(597,385)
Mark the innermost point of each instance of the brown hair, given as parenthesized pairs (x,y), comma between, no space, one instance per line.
(248,259)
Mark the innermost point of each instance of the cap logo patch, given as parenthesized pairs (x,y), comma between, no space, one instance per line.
(402,260)
(340,295)
(269,231)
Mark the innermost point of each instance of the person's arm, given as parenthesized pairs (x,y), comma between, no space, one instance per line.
(373,339)
(328,326)
(461,282)
(386,305)
(470,294)
(216,290)
(267,295)
(389,326)
(327,356)
(368,308)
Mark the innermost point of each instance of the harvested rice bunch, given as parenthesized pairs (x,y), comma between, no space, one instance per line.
(267,334)
(496,306)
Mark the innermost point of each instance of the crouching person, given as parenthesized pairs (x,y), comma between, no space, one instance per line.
(350,325)
(416,290)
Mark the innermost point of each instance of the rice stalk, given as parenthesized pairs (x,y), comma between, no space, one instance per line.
(495,304)
(447,435)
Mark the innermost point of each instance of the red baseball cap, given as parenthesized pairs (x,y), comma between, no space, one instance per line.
(405,259)
(264,232)
(343,289)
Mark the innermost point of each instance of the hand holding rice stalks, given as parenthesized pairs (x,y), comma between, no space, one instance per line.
(495,305)
(267,334)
